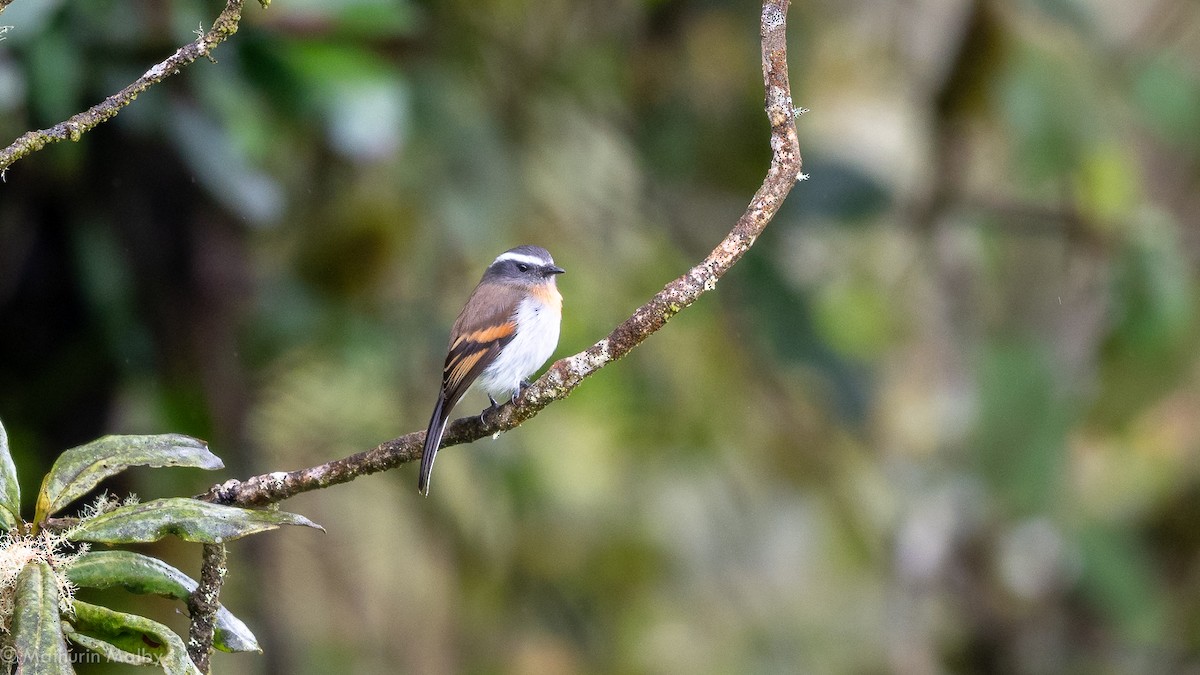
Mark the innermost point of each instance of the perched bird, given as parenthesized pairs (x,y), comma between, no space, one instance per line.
(506,331)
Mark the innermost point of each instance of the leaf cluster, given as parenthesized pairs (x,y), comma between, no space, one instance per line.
(44,566)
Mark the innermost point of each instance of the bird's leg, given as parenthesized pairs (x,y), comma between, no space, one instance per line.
(521,386)
(488,409)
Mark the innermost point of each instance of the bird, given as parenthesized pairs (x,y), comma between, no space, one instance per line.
(505,332)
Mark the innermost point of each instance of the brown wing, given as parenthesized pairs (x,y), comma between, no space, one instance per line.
(485,325)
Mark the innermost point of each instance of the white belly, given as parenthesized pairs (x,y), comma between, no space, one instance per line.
(534,342)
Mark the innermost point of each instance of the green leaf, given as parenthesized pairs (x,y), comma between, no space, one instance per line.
(189,519)
(134,635)
(139,573)
(10,489)
(80,469)
(109,651)
(37,631)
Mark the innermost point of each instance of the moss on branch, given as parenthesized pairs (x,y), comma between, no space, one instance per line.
(73,128)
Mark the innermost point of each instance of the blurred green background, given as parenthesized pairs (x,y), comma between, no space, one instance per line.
(942,418)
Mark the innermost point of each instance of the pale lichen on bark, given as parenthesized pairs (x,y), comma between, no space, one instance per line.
(203,605)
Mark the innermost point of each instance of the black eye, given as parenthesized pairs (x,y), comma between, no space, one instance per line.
(523,267)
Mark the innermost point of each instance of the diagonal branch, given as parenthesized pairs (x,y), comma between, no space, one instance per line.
(566,374)
(74,127)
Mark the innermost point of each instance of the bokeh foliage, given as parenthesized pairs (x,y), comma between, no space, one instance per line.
(941,418)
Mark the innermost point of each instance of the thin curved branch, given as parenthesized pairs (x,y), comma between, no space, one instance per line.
(566,374)
(74,127)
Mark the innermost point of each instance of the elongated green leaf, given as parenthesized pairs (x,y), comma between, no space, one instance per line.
(10,490)
(109,651)
(37,631)
(80,469)
(188,519)
(135,635)
(142,574)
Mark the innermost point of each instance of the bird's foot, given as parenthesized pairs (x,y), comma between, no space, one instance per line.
(521,386)
(488,409)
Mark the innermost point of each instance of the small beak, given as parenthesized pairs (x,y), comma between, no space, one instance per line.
(553,269)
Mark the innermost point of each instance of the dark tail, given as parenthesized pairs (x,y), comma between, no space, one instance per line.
(433,438)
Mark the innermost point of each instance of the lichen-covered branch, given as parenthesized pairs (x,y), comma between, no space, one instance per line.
(74,127)
(203,604)
(566,374)
(4,3)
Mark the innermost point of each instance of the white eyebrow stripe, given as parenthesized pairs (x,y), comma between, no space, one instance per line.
(519,257)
